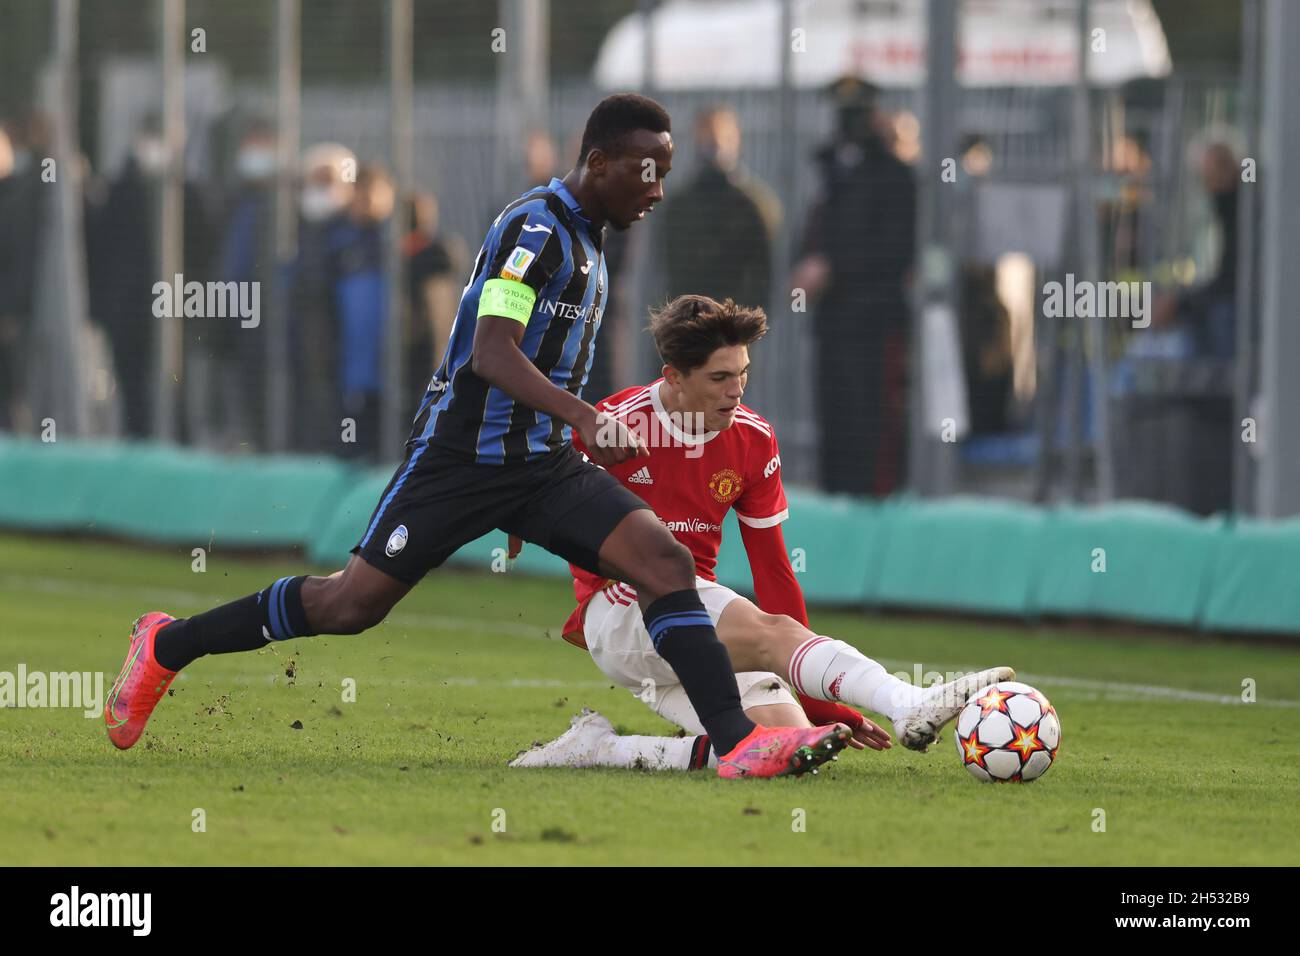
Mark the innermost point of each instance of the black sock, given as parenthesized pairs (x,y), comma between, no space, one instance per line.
(683,634)
(700,751)
(274,614)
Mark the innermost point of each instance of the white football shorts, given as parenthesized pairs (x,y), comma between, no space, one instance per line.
(620,645)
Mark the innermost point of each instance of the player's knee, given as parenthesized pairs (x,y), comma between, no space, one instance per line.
(783,625)
(668,568)
(770,640)
(354,620)
(760,630)
(784,638)
(367,613)
(350,611)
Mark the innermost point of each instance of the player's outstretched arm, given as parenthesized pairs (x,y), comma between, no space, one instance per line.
(498,360)
(776,589)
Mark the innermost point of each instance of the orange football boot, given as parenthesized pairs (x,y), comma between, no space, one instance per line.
(141,684)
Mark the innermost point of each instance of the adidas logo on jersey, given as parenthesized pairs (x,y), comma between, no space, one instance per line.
(642,477)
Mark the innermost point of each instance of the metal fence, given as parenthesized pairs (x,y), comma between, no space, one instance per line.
(84,348)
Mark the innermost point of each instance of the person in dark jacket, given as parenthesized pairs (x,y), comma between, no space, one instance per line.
(123,266)
(361,306)
(719,229)
(1209,309)
(329,175)
(246,254)
(20,217)
(434,276)
(858,249)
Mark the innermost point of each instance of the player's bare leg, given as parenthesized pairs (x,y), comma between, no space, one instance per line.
(778,715)
(352,600)
(827,669)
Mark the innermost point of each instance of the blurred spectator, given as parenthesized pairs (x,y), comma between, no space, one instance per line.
(1208,310)
(1125,212)
(361,302)
(613,366)
(329,173)
(1174,388)
(986,349)
(19,218)
(857,255)
(539,158)
(123,266)
(719,228)
(434,264)
(230,369)
(984,322)
(539,165)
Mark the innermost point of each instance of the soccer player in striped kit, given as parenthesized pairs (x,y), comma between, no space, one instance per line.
(490,447)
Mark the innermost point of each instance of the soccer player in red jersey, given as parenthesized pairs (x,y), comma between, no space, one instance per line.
(709,454)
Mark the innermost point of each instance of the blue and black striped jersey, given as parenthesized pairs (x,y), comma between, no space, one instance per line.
(542,265)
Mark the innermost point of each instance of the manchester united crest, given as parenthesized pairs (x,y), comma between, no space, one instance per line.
(725,485)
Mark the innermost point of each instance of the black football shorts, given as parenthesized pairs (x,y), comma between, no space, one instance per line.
(435,503)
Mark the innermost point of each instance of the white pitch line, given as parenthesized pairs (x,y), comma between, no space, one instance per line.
(165,596)
(229,677)
(1153,690)
(148,595)
(1110,689)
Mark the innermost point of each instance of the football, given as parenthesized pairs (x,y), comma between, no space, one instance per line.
(1008,732)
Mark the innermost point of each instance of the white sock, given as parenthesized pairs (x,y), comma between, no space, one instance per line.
(646,753)
(828,669)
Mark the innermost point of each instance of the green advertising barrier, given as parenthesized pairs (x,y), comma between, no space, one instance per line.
(51,487)
(1255,579)
(280,500)
(161,493)
(831,541)
(1130,560)
(959,554)
(345,522)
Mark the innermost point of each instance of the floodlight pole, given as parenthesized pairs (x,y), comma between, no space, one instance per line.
(394,401)
(288,94)
(64,272)
(1245,380)
(932,464)
(1093,339)
(1279,468)
(171,231)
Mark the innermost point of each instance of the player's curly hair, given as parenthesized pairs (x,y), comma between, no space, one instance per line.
(690,328)
(616,116)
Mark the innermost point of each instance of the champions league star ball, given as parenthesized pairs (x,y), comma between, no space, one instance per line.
(1008,732)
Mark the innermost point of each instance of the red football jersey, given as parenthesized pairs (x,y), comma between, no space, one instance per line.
(692,481)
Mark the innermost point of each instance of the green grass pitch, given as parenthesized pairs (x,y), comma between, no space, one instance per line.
(469,670)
